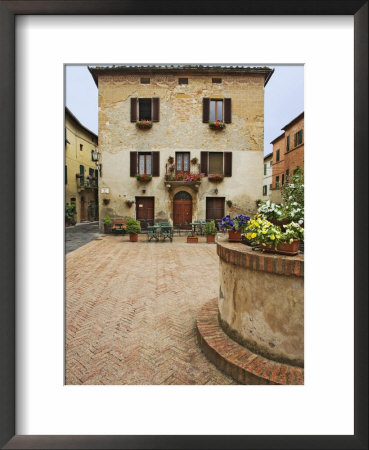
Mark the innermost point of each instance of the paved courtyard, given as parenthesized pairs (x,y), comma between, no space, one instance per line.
(131,310)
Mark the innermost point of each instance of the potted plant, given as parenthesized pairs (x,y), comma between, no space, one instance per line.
(133,227)
(170,160)
(129,203)
(144,124)
(272,238)
(216,125)
(194,161)
(215,177)
(106,201)
(192,238)
(70,211)
(143,177)
(210,231)
(79,175)
(107,225)
(229,203)
(234,226)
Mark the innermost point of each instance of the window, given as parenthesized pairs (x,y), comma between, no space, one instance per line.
(271,163)
(144,163)
(287,174)
(216,80)
(145,109)
(265,169)
(216,109)
(277,182)
(216,162)
(270,187)
(265,189)
(182,80)
(145,80)
(80,147)
(183,161)
(288,143)
(82,175)
(282,179)
(277,154)
(298,138)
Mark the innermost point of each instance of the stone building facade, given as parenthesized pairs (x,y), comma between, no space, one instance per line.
(288,154)
(180,102)
(81,174)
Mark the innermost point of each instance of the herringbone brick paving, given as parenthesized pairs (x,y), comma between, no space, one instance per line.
(131,312)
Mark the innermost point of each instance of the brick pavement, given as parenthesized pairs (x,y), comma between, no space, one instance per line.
(131,312)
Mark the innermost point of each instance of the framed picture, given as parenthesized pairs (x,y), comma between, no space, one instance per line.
(179,403)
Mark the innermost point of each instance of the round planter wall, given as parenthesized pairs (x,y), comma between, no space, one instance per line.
(261,301)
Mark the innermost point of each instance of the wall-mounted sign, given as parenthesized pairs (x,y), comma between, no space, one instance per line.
(140,206)
(105,190)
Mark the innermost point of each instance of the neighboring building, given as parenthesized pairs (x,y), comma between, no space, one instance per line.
(180,101)
(288,154)
(81,174)
(267,182)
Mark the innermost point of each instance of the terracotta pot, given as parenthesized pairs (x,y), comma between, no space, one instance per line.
(284,248)
(192,240)
(210,238)
(133,237)
(234,236)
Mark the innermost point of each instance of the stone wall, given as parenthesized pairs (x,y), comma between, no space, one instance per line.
(261,301)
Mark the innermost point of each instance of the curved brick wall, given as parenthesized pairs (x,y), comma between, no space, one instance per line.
(261,301)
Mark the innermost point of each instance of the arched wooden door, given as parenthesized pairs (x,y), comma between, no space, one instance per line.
(182,209)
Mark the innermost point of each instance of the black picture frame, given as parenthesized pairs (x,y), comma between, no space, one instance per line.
(8,11)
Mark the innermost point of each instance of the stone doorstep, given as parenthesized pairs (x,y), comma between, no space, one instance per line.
(237,361)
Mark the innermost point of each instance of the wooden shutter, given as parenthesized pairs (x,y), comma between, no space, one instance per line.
(295,137)
(227,164)
(155,109)
(133,109)
(227,110)
(133,165)
(204,162)
(205,109)
(155,164)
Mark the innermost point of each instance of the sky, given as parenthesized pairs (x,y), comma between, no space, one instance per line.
(283,101)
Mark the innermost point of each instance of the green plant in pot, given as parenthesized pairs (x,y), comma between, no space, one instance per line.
(133,227)
(70,211)
(210,231)
(107,225)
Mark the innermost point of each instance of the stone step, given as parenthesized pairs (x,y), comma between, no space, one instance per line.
(237,361)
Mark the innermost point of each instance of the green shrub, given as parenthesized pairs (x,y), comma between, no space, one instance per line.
(210,228)
(107,220)
(133,226)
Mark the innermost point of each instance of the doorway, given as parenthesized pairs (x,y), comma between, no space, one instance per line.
(182,209)
(145,211)
(215,208)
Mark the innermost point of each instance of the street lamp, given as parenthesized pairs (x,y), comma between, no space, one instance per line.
(95,156)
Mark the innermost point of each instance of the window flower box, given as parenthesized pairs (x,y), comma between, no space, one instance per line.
(215,178)
(144,124)
(283,248)
(143,177)
(217,125)
(183,176)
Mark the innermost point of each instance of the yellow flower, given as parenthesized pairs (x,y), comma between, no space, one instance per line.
(254,235)
(263,231)
(272,237)
(248,235)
